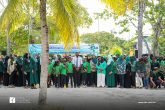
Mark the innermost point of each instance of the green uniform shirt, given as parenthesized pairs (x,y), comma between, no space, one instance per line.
(114,68)
(88,67)
(63,69)
(56,70)
(50,66)
(102,66)
(84,67)
(69,67)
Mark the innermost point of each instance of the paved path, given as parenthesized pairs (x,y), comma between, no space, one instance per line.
(85,99)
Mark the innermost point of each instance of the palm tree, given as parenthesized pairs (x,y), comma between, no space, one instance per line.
(45,52)
(66,14)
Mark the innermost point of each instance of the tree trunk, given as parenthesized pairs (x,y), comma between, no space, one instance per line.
(140,27)
(149,50)
(8,43)
(157,32)
(44,57)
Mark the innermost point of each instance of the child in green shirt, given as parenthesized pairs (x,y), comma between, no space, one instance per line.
(70,71)
(50,66)
(89,75)
(84,72)
(63,67)
(56,74)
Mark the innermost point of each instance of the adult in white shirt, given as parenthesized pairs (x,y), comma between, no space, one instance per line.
(77,62)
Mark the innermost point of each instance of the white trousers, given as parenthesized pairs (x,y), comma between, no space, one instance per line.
(139,81)
(100,80)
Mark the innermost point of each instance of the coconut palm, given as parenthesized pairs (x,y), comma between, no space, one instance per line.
(66,14)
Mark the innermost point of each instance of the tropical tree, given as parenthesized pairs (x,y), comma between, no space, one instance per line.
(155,15)
(120,7)
(65,13)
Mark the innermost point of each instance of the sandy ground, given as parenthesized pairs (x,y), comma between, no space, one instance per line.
(84,99)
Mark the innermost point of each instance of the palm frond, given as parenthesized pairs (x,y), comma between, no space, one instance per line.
(119,6)
(13,16)
(65,15)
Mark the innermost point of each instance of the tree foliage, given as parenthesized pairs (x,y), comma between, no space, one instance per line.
(107,41)
(63,19)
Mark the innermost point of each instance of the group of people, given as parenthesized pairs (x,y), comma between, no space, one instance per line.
(121,71)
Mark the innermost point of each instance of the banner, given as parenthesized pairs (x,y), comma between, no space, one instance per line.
(59,49)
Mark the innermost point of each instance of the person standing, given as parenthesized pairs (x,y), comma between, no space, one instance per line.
(84,69)
(19,67)
(121,70)
(1,70)
(6,74)
(26,70)
(70,71)
(63,67)
(89,76)
(101,71)
(77,61)
(93,71)
(11,70)
(33,73)
(50,66)
(127,77)
(56,74)
(110,75)
(133,71)
(140,69)
(115,69)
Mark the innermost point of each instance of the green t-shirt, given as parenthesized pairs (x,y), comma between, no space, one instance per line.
(87,66)
(63,69)
(69,67)
(50,66)
(56,70)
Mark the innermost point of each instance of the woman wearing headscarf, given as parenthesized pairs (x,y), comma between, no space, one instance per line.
(133,71)
(101,71)
(127,77)
(26,70)
(110,75)
(115,69)
(19,67)
(93,63)
(12,71)
(121,68)
(6,75)
(33,72)
(140,69)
